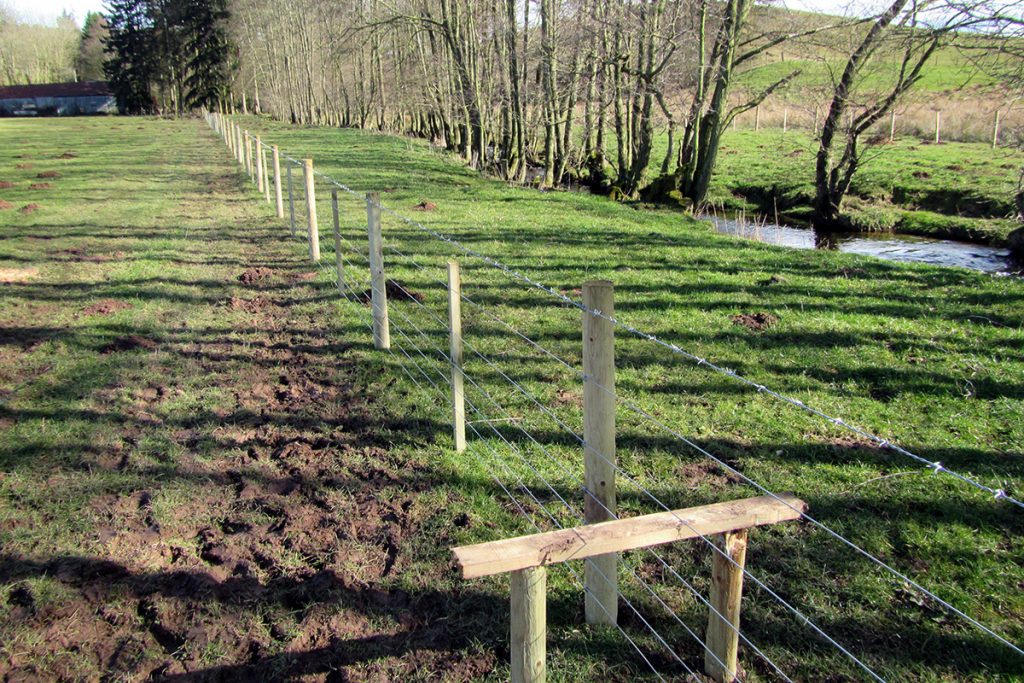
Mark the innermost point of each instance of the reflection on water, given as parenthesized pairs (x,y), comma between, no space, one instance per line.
(894,247)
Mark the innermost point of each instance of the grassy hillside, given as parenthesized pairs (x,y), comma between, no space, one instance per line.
(255,492)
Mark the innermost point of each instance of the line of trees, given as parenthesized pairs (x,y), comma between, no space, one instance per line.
(581,90)
(168,56)
(32,53)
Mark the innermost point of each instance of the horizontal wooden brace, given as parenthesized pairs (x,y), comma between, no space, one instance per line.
(538,550)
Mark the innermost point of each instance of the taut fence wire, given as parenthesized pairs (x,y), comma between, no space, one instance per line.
(525,451)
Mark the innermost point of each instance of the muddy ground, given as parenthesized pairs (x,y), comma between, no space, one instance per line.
(240,510)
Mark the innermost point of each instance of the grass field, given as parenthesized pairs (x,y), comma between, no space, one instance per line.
(225,478)
(954,190)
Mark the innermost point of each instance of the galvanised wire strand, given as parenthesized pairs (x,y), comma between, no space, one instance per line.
(999,493)
(647,416)
(700,361)
(582,484)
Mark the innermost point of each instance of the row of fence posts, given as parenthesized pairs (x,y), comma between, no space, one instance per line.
(996,123)
(599,414)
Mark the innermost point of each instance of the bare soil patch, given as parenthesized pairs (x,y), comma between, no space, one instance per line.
(254,305)
(48,174)
(254,275)
(76,254)
(40,186)
(5,184)
(5,205)
(17,275)
(129,342)
(302,277)
(106,307)
(67,155)
(425,206)
(29,208)
(755,321)
(23,167)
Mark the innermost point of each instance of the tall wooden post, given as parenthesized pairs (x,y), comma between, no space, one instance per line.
(277,182)
(995,130)
(339,264)
(600,572)
(291,201)
(938,127)
(455,353)
(266,175)
(314,229)
(378,283)
(529,625)
(259,166)
(724,616)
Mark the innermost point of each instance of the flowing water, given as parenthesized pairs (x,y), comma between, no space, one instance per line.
(894,247)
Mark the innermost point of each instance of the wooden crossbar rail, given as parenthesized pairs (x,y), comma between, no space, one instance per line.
(527,556)
(578,543)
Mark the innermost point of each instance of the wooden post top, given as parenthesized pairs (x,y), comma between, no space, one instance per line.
(577,543)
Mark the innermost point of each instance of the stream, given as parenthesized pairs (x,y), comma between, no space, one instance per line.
(890,246)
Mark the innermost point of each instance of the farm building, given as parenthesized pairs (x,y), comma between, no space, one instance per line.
(57,99)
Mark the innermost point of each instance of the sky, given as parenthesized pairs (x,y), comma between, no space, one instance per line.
(47,11)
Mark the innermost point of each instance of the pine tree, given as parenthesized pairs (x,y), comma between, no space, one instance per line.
(90,58)
(131,60)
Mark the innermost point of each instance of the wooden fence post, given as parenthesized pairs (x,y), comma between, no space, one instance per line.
(938,127)
(757,117)
(722,640)
(229,138)
(785,120)
(455,353)
(291,201)
(259,166)
(248,154)
(277,181)
(529,625)
(240,148)
(995,130)
(266,174)
(892,125)
(599,437)
(338,261)
(314,229)
(378,283)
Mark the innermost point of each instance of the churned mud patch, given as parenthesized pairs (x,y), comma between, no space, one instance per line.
(106,307)
(129,342)
(66,155)
(425,206)
(6,184)
(40,186)
(755,321)
(5,205)
(705,472)
(302,277)
(252,276)
(29,208)
(395,291)
(254,305)
(48,174)
(17,275)
(23,166)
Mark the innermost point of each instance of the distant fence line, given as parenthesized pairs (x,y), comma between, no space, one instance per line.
(442,372)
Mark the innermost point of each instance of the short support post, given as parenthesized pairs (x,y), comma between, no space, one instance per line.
(277,182)
(892,125)
(378,283)
(600,573)
(722,641)
(938,127)
(266,175)
(455,353)
(239,147)
(338,262)
(229,138)
(248,154)
(259,166)
(995,130)
(785,120)
(529,625)
(314,229)
(291,201)
(757,118)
